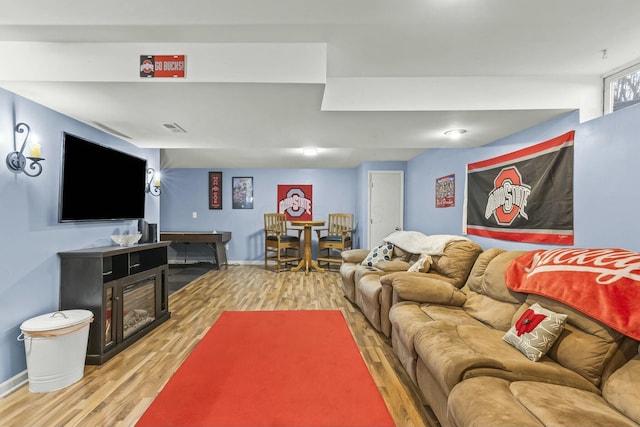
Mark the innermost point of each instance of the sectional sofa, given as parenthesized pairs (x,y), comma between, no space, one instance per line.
(499,350)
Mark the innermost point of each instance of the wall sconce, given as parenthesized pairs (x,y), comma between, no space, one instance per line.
(153,182)
(16,161)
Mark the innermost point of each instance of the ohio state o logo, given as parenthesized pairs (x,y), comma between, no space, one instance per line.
(296,208)
(295,204)
(508,198)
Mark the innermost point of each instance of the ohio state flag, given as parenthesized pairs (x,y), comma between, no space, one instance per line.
(524,196)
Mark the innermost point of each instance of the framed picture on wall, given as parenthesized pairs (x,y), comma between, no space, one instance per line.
(295,201)
(242,191)
(446,191)
(215,190)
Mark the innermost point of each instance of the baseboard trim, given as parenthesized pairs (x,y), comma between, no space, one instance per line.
(189,261)
(14,383)
(196,261)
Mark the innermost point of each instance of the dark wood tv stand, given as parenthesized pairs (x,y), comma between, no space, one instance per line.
(124,287)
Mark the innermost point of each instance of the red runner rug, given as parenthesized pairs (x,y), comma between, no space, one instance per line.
(272,368)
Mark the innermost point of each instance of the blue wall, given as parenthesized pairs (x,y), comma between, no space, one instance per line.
(606,199)
(31,234)
(185,191)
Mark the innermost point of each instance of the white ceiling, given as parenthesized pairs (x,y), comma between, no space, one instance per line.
(362,80)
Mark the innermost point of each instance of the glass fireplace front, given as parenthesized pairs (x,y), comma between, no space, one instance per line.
(138,305)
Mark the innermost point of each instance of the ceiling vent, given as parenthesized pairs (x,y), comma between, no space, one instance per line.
(174,127)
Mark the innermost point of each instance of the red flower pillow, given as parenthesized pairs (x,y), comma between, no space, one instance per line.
(535,331)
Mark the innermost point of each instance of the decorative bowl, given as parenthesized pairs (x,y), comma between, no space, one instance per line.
(126,239)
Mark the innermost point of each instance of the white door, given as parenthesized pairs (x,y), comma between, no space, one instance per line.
(386,201)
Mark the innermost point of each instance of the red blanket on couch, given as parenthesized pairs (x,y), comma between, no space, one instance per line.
(602,283)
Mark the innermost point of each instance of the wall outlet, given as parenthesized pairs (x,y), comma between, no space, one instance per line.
(195,215)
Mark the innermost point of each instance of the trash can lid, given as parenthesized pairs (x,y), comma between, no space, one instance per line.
(56,320)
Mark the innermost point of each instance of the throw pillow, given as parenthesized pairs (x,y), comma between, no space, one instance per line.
(379,253)
(535,331)
(422,265)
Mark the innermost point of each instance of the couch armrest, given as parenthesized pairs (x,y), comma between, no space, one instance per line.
(416,287)
(354,256)
(393,265)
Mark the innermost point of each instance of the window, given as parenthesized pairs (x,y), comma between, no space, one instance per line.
(622,89)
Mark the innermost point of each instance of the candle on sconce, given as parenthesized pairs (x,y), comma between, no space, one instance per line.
(156,181)
(35,150)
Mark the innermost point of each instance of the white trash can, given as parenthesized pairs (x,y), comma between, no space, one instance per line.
(56,347)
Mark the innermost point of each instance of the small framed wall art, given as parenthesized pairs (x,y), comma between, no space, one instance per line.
(446,191)
(242,192)
(215,190)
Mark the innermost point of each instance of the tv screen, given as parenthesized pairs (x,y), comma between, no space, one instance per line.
(100,183)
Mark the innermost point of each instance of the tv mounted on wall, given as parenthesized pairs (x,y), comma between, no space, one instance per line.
(99,183)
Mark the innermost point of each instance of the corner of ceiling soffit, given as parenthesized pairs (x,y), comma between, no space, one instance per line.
(301,63)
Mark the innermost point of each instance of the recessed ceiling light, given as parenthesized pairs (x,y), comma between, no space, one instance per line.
(455,133)
(310,151)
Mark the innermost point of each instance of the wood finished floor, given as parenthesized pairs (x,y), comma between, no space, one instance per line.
(118,392)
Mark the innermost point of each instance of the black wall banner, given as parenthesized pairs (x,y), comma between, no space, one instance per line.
(524,196)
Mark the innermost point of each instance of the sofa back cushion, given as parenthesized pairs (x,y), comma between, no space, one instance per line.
(585,346)
(488,299)
(399,253)
(456,261)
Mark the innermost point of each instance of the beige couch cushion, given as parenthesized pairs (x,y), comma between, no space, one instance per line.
(456,315)
(399,253)
(453,353)
(468,402)
(561,405)
(456,261)
(352,269)
(476,276)
(493,284)
(585,345)
(423,287)
(408,318)
(355,256)
(527,403)
(488,299)
(622,389)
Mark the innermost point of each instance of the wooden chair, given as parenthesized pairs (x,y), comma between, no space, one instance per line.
(280,247)
(334,239)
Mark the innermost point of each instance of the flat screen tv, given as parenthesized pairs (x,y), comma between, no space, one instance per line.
(99,183)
